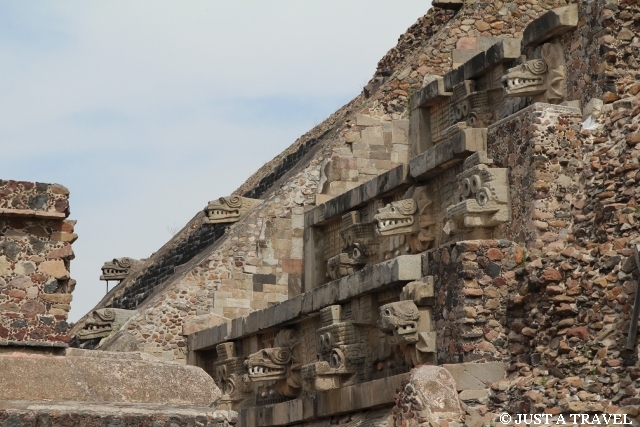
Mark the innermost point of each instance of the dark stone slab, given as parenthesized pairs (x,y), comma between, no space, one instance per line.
(448,4)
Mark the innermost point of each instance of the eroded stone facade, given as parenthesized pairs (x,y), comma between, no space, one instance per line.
(35,251)
(467,214)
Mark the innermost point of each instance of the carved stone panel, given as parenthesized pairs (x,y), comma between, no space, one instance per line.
(543,79)
(407,327)
(280,364)
(411,217)
(103,322)
(230,376)
(119,268)
(229,209)
(356,245)
(484,197)
(341,352)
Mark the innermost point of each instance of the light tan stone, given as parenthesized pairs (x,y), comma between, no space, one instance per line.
(4,266)
(201,322)
(55,268)
(64,237)
(91,376)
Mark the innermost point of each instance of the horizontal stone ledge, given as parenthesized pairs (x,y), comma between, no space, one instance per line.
(505,49)
(83,376)
(32,213)
(46,344)
(383,183)
(138,413)
(402,269)
(324,404)
(552,24)
(430,94)
(448,4)
(447,153)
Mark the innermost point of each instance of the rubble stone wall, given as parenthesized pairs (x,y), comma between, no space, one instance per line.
(474,284)
(35,251)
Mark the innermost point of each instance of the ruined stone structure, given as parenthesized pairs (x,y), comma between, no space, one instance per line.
(35,242)
(455,243)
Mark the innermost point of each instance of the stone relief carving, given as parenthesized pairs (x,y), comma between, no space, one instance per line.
(427,398)
(102,322)
(401,319)
(472,104)
(119,268)
(230,375)
(411,217)
(542,79)
(484,196)
(279,363)
(407,326)
(397,218)
(356,246)
(229,209)
(341,353)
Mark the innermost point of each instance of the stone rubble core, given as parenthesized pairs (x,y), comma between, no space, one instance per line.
(464,212)
(35,252)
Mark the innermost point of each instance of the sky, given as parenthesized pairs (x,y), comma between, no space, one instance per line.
(146,110)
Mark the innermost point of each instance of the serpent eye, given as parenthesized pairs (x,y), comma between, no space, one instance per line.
(393,210)
(387,312)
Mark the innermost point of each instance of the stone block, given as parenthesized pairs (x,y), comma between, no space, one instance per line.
(448,4)
(447,153)
(56,269)
(372,136)
(552,24)
(201,322)
(504,49)
(467,43)
(460,56)
(476,376)
(101,376)
(394,179)
(480,396)
(362,120)
(400,132)
(430,94)
(401,269)
(435,387)
(25,413)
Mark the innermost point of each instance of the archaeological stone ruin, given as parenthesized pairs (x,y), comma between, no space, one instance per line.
(459,241)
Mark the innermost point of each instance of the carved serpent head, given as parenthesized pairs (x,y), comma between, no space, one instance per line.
(401,319)
(274,363)
(396,218)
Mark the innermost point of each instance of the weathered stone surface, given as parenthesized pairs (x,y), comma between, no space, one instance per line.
(398,270)
(89,376)
(429,396)
(392,180)
(451,151)
(83,414)
(201,322)
(553,23)
(56,269)
(476,376)
(325,404)
(430,93)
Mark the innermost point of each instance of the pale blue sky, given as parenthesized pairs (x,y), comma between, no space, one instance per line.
(146,110)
